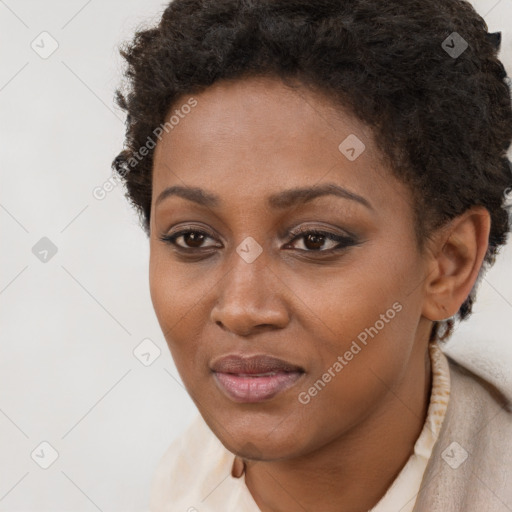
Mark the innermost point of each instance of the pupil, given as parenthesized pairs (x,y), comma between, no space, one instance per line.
(317,241)
(195,239)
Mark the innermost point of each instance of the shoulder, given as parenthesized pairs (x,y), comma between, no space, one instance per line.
(470,467)
(476,395)
(480,413)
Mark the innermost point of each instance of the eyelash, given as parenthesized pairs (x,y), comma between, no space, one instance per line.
(344,241)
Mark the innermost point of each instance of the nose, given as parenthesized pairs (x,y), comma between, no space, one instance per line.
(250,298)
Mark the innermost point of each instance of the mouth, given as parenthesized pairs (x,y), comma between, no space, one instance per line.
(254,379)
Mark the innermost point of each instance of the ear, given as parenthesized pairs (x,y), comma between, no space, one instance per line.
(455,254)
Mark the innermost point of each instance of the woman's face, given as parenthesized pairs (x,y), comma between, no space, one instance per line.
(343,308)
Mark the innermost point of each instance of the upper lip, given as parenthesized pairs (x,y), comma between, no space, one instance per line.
(255,364)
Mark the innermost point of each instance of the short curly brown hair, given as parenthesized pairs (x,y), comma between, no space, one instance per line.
(442,120)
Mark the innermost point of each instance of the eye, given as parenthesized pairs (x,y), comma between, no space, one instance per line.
(313,240)
(191,239)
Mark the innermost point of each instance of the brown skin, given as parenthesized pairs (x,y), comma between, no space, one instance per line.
(244,141)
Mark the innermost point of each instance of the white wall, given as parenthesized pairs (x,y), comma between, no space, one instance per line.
(68,375)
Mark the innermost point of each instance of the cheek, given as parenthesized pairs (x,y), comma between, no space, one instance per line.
(343,301)
(354,368)
(159,288)
(368,315)
(172,287)
(175,300)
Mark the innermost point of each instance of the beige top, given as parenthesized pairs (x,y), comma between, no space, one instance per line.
(195,472)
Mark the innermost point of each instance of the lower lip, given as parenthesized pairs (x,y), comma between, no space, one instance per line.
(255,389)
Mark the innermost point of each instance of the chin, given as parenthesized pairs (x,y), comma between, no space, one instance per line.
(258,443)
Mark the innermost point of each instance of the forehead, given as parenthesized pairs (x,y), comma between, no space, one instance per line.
(257,135)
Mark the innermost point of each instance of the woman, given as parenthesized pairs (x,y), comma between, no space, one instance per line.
(322,183)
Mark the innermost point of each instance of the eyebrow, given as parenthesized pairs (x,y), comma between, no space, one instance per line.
(280,200)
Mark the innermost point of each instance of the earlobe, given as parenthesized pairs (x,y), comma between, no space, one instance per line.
(455,258)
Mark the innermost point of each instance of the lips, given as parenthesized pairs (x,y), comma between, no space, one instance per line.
(254,378)
(253,365)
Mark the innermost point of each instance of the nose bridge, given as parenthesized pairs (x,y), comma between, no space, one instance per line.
(247,295)
(246,281)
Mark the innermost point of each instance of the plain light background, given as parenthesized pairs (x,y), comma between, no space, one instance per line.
(69,326)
